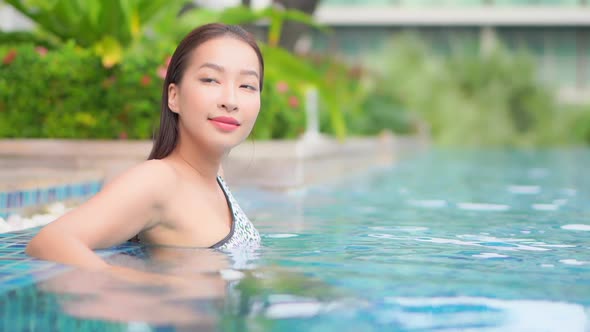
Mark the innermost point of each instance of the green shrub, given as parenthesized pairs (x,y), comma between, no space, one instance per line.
(133,95)
(282,110)
(51,95)
(67,93)
(24,37)
(494,99)
(368,108)
(575,120)
(382,112)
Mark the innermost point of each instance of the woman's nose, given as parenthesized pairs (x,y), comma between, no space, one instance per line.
(229,106)
(228,99)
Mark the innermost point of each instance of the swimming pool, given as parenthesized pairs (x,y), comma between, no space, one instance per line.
(449,240)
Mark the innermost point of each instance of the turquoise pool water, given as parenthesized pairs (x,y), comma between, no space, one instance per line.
(446,241)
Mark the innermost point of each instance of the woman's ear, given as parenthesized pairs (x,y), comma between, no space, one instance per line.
(173,97)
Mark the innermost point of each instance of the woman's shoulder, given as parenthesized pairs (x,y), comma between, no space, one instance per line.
(160,167)
(155,176)
(156,169)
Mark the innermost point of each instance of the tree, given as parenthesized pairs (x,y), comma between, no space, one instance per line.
(292,31)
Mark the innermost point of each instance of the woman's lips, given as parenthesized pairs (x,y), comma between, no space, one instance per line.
(225,123)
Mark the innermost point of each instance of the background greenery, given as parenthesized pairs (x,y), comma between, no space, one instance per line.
(81,79)
(122,99)
(471,99)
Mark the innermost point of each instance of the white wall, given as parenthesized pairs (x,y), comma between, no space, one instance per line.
(11,20)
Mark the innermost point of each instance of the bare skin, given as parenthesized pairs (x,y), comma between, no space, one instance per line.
(174,201)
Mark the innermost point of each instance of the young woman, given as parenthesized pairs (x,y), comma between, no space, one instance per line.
(210,101)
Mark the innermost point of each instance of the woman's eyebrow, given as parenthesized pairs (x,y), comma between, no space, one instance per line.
(221,69)
(212,66)
(249,72)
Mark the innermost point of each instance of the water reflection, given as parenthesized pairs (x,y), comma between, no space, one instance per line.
(165,286)
(189,288)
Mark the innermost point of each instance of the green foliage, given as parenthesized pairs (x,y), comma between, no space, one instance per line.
(382,112)
(133,94)
(67,93)
(38,94)
(575,120)
(166,29)
(63,91)
(52,83)
(107,27)
(492,99)
(24,37)
(73,96)
(275,16)
(283,99)
(282,112)
(358,99)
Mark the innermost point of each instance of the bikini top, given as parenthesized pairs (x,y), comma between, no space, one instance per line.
(242,233)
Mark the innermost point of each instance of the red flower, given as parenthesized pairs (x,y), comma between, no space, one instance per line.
(145,80)
(42,51)
(10,56)
(123,135)
(294,101)
(282,87)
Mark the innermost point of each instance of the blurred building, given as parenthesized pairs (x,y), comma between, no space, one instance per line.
(555,32)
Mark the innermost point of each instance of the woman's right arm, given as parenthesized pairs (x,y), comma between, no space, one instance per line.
(127,205)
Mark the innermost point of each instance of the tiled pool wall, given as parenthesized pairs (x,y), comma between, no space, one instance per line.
(15,201)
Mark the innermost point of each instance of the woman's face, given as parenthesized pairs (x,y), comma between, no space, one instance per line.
(218,98)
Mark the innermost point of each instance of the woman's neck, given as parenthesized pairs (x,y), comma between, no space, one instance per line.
(204,162)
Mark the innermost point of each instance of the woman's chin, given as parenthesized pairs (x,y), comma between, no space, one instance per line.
(225,146)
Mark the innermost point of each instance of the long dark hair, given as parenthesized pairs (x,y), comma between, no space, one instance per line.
(167,137)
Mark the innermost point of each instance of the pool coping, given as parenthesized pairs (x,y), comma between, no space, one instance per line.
(274,164)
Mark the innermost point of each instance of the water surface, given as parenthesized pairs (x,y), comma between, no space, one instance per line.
(446,241)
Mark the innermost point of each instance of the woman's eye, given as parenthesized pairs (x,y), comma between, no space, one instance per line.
(250,87)
(208,80)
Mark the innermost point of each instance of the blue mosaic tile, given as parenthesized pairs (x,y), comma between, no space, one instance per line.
(18,246)
(17,281)
(3,200)
(7,260)
(21,266)
(12,201)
